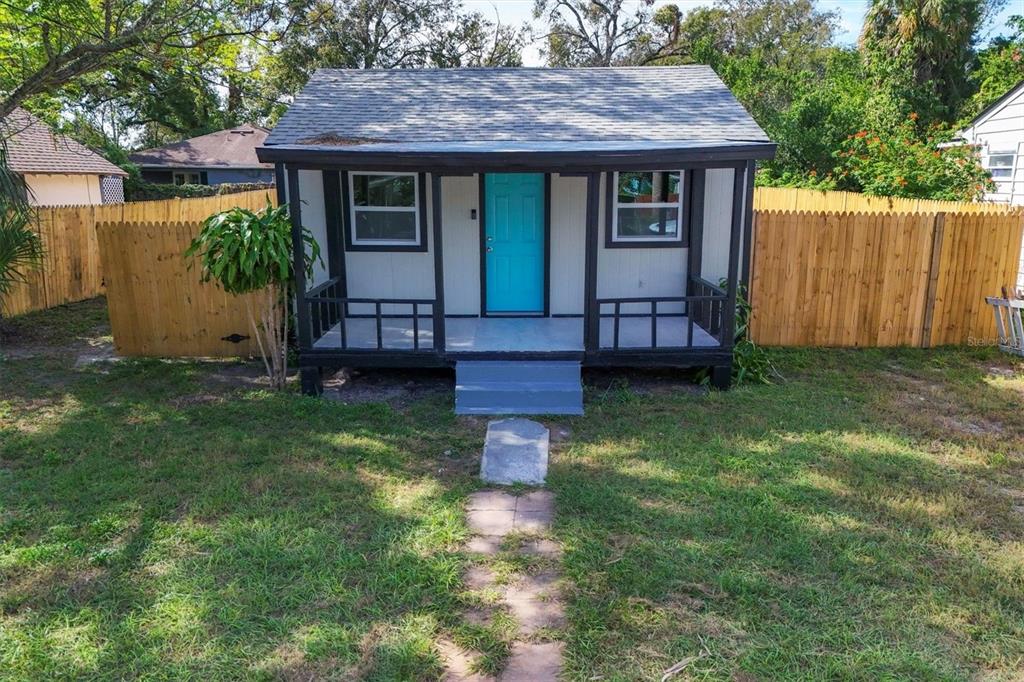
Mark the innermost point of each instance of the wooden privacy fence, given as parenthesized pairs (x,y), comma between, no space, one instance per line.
(793,199)
(71,269)
(880,279)
(157,305)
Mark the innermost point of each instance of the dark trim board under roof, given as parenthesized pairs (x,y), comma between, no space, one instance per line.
(517,161)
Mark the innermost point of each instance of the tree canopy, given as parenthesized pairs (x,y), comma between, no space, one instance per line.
(121,74)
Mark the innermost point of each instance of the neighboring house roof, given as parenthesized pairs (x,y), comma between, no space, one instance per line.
(995,106)
(231,148)
(515,109)
(33,147)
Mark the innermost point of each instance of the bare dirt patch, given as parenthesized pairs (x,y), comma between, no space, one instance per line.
(397,388)
(645,382)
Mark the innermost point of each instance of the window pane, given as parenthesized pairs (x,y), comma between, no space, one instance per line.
(648,187)
(1001,172)
(392,226)
(1001,160)
(648,223)
(384,190)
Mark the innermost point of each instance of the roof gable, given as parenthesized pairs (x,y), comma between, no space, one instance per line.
(231,148)
(346,107)
(33,147)
(1006,100)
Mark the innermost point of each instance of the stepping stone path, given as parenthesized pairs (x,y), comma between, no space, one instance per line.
(499,518)
(515,451)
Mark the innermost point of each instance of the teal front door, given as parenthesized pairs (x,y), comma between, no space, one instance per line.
(514,242)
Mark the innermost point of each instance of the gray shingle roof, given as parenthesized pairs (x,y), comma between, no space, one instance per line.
(33,147)
(681,104)
(231,148)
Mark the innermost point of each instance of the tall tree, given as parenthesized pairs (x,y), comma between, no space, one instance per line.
(604,32)
(47,44)
(918,53)
(1000,69)
(389,34)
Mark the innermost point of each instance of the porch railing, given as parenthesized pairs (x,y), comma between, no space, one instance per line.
(701,309)
(329,310)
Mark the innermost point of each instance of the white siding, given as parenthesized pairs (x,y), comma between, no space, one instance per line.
(311,192)
(1002,131)
(717,224)
(393,274)
(568,244)
(625,273)
(622,273)
(461,247)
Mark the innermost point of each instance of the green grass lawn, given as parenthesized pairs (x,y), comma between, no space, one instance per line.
(861,519)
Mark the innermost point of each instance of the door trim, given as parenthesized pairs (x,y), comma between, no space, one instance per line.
(482,213)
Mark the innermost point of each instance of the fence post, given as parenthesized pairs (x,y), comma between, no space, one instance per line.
(933,279)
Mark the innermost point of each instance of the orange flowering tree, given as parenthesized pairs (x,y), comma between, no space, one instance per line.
(902,162)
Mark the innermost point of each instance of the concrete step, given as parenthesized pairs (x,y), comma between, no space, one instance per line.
(528,387)
(520,371)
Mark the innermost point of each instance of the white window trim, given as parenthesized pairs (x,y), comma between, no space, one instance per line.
(414,209)
(671,204)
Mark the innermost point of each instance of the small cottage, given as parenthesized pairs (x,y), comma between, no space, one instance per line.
(519,223)
(57,170)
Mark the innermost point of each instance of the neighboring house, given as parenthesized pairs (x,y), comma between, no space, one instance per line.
(226,156)
(519,216)
(57,170)
(999,133)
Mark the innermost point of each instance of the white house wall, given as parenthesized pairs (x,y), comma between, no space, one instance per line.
(393,274)
(461,247)
(311,191)
(63,190)
(622,272)
(1002,131)
(717,224)
(568,244)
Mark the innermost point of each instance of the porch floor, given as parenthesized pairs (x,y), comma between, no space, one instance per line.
(511,334)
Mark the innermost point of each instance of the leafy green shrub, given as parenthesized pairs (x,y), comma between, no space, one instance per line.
(251,253)
(750,362)
(898,162)
(140,190)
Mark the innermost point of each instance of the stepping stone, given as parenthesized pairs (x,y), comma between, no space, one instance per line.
(488,545)
(492,500)
(534,662)
(534,603)
(515,451)
(458,664)
(541,547)
(491,522)
(478,578)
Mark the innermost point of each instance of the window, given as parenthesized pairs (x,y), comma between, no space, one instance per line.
(1001,164)
(187,178)
(648,208)
(385,210)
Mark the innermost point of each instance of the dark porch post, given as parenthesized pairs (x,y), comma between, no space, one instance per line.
(591,310)
(335,247)
(722,375)
(438,307)
(748,225)
(309,376)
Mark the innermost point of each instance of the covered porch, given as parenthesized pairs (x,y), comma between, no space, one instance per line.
(515,334)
